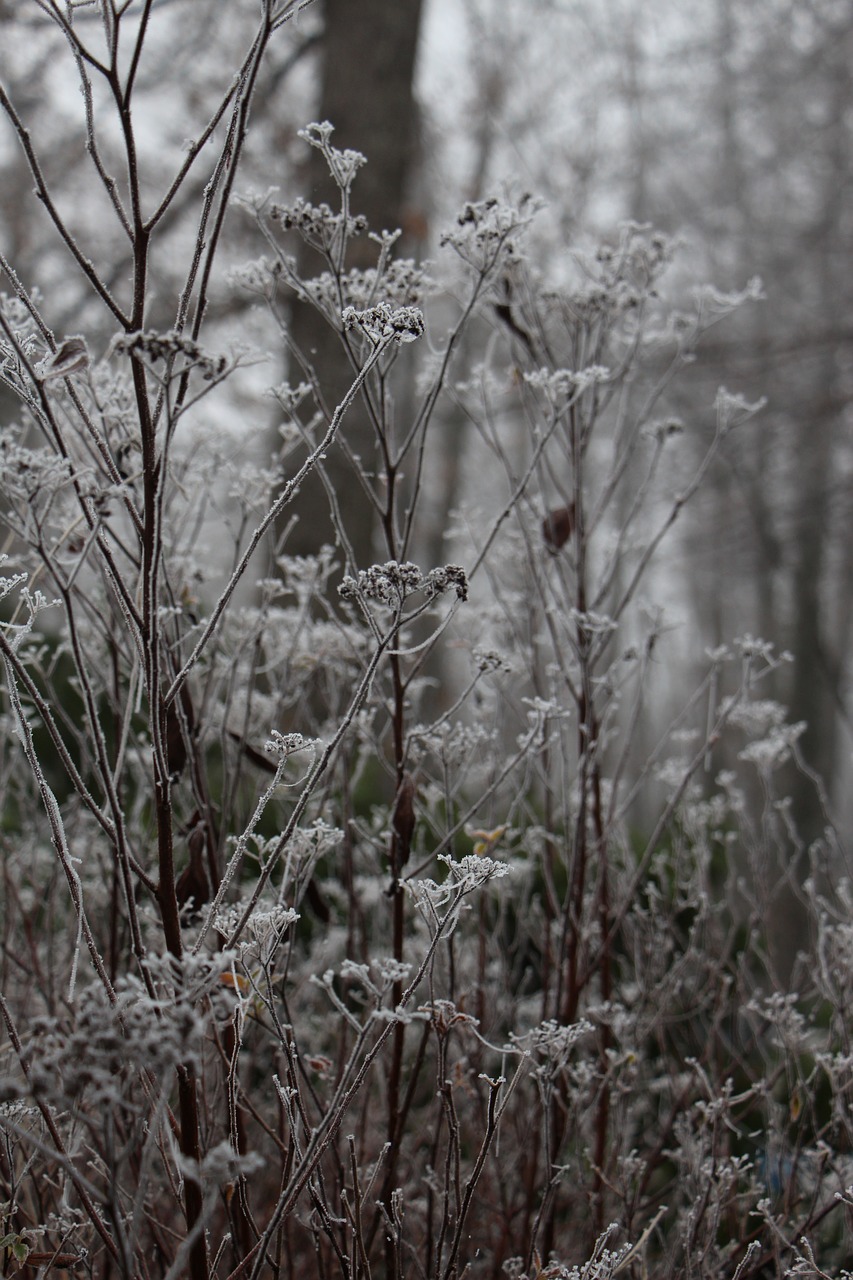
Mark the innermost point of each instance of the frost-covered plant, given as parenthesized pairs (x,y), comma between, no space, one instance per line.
(368,919)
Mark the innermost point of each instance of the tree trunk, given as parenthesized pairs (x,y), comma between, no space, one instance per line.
(366,92)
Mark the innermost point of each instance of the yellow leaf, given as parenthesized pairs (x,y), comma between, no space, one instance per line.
(236,981)
(485,841)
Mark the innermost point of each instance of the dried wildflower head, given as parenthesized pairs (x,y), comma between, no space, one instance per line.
(156,346)
(317,224)
(487,233)
(343,165)
(391,584)
(384,323)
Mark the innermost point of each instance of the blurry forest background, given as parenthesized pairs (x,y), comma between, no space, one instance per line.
(727,125)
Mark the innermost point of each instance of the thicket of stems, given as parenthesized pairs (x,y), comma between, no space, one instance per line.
(367,920)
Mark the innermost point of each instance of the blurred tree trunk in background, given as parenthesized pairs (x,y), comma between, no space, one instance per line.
(782,210)
(820,633)
(827,241)
(800,236)
(366,91)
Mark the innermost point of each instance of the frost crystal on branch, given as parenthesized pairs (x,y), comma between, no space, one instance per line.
(487,232)
(391,584)
(464,877)
(554,1042)
(286,744)
(318,225)
(490,660)
(384,322)
(343,165)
